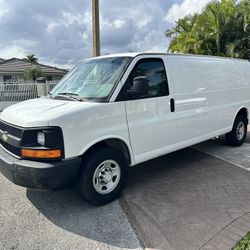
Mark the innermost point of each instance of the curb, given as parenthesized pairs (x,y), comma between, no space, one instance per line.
(230,235)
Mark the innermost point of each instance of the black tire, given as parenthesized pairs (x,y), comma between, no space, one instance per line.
(89,168)
(232,138)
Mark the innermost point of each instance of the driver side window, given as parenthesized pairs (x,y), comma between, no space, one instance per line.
(154,71)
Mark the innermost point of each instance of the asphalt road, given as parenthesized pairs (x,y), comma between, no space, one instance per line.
(60,220)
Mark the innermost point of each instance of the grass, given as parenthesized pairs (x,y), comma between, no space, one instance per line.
(243,244)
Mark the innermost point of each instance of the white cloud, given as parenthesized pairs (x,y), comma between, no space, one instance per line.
(3,10)
(186,7)
(59,32)
(119,24)
(13,51)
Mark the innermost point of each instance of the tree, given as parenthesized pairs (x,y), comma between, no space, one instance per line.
(223,28)
(32,74)
(240,46)
(31,58)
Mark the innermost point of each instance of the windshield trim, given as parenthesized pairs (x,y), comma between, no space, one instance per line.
(122,74)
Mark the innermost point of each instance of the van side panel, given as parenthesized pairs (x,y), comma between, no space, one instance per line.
(191,104)
(208,93)
(231,92)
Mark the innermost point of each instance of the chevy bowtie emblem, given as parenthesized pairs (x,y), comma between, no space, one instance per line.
(5,136)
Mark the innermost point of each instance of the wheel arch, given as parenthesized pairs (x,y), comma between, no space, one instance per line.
(111,141)
(243,111)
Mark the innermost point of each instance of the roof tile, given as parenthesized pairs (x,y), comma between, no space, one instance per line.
(16,65)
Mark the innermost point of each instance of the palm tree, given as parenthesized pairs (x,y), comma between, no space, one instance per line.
(239,47)
(214,17)
(32,74)
(183,35)
(31,58)
(223,28)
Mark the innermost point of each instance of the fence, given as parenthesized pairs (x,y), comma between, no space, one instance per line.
(50,86)
(11,93)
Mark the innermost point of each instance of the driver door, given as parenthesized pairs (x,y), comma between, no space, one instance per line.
(150,120)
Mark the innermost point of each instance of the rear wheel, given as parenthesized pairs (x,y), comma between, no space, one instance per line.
(103,176)
(238,134)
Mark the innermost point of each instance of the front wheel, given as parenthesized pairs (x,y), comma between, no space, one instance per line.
(103,176)
(239,132)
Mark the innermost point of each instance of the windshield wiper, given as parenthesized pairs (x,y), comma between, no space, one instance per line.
(68,95)
(71,96)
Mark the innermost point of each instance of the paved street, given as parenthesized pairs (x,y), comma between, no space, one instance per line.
(196,198)
(59,220)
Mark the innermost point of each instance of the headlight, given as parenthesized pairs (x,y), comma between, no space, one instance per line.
(42,143)
(41,138)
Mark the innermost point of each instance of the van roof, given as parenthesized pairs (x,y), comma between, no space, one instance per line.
(135,54)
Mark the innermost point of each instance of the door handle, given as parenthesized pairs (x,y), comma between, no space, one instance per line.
(172,105)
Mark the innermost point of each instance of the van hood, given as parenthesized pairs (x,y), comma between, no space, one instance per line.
(39,112)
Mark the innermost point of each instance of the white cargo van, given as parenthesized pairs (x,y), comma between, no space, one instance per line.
(116,111)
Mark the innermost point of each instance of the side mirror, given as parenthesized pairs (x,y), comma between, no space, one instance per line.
(140,87)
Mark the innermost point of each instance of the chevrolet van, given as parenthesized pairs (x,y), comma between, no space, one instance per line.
(115,111)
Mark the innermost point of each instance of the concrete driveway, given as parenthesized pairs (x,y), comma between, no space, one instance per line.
(183,200)
(196,198)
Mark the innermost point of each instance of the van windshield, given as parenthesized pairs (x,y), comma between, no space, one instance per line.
(92,79)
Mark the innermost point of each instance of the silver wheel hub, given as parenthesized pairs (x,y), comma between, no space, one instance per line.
(106,177)
(240,131)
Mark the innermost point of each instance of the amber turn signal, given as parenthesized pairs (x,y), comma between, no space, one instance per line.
(42,154)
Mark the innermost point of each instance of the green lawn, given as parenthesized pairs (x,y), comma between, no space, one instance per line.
(243,244)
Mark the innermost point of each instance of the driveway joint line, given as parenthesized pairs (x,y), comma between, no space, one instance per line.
(222,159)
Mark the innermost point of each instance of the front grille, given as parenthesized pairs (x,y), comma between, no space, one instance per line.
(14,131)
(10,129)
(10,148)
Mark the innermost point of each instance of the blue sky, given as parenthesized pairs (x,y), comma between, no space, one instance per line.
(59,31)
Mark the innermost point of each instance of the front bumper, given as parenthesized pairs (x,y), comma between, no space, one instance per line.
(39,175)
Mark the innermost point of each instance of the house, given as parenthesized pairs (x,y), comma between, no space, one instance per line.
(12,70)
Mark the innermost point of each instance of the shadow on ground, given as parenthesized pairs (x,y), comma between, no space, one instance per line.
(66,209)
